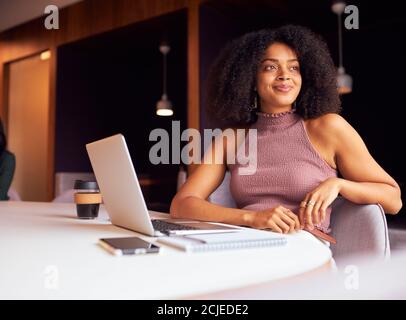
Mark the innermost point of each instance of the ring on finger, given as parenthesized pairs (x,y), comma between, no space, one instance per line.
(303,204)
(311,203)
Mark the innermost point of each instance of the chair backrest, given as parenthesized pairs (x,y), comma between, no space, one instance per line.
(64,181)
(359,229)
(222,195)
(13,194)
(65,197)
(182,176)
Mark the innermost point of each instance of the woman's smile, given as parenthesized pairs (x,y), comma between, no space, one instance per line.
(283,88)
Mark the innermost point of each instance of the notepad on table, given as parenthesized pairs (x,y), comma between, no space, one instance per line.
(224,241)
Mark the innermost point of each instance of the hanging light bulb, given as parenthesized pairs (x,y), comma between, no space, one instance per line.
(164,106)
(344,81)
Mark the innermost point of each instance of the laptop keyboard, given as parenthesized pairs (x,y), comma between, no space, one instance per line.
(163,226)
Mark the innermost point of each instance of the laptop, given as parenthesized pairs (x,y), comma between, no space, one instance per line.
(122,195)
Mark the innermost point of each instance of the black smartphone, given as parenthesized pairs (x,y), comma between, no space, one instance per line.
(125,246)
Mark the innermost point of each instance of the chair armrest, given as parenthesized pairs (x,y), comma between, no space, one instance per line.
(359,229)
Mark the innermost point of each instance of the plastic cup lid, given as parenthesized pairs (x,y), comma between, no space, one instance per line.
(86,185)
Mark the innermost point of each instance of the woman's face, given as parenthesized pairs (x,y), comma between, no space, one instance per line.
(278,78)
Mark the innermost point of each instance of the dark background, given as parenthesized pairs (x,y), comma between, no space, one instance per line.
(110,84)
(122,70)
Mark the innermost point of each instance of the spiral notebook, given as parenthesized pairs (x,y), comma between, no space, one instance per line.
(225,241)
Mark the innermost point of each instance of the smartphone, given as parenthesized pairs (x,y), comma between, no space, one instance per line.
(126,246)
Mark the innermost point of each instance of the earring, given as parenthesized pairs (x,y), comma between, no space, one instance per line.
(255,105)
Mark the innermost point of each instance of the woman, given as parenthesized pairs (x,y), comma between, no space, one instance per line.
(7,165)
(282,83)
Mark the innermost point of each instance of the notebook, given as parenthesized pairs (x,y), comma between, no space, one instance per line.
(225,241)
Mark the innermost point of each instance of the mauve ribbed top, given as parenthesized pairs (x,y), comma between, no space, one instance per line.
(288,166)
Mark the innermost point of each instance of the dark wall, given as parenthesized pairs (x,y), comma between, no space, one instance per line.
(111,83)
(375,109)
(211,42)
(373,56)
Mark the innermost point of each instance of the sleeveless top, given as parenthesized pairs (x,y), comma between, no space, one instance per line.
(288,166)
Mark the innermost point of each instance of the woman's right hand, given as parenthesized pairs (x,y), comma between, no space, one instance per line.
(278,219)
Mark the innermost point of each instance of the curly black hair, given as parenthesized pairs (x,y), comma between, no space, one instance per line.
(232,77)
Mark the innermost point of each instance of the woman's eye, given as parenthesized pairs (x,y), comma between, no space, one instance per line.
(269,68)
(294,68)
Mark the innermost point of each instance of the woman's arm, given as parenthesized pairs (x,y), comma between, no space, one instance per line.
(190,201)
(368,192)
(364,181)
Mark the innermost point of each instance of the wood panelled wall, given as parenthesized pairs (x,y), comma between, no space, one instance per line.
(85,19)
(193,99)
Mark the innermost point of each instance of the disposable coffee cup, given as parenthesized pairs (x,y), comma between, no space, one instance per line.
(87,198)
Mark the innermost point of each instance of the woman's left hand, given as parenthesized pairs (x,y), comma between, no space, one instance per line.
(313,207)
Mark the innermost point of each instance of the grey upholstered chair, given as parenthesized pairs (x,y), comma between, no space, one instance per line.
(13,194)
(358,229)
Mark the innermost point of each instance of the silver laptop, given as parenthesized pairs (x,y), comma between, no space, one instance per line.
(122,195)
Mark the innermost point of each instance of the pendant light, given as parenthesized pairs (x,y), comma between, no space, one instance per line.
(164,106)
(344,81)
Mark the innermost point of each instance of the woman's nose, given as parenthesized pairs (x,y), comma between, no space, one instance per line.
(283,77)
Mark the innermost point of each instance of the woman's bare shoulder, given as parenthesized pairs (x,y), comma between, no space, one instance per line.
(326,135)
(328,126)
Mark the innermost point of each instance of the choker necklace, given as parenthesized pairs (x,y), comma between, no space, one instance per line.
(275,115)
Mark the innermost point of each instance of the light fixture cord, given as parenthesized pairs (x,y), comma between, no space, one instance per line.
(164,80)
(340,41)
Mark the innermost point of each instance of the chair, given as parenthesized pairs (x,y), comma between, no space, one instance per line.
(358,229)
(182,175)
(222,195)
(64,181)
(65,197)
(13,195)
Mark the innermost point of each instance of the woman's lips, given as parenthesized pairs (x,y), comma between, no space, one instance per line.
(283,88)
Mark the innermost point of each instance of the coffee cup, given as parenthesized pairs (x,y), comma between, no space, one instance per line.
(87,198)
